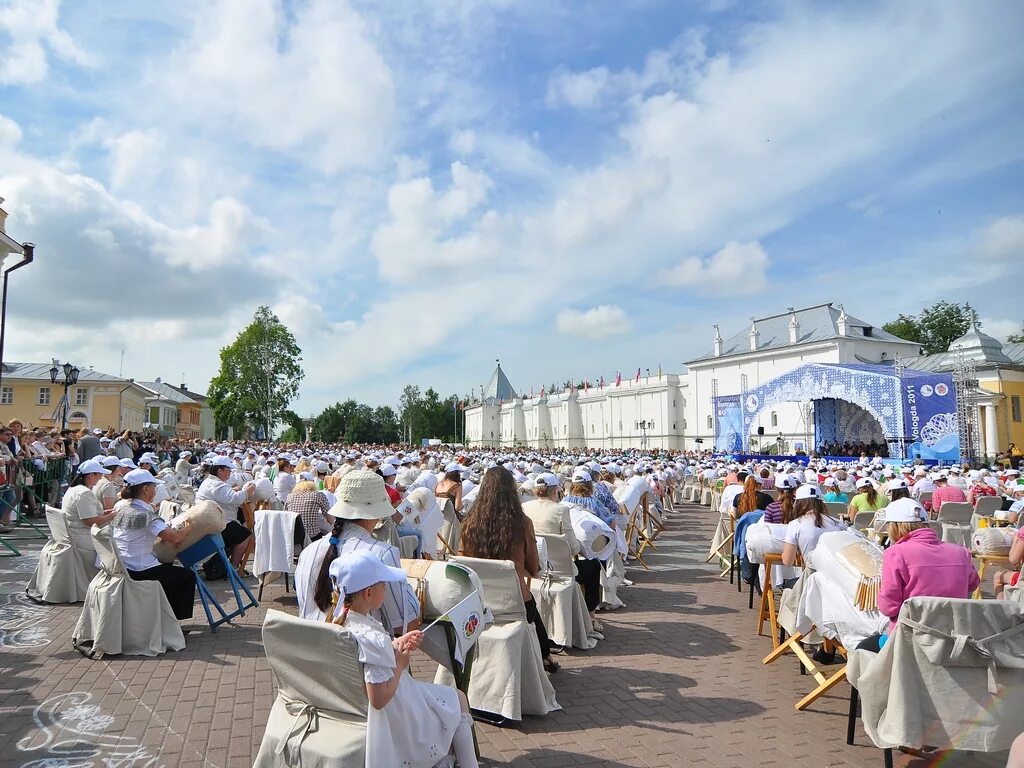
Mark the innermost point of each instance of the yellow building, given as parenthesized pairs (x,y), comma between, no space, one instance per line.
(183,411)
(999,398)
(97,400)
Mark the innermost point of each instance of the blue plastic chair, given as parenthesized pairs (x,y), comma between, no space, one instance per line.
(194,556)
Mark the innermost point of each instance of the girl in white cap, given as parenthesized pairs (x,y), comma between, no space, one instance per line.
(410,723)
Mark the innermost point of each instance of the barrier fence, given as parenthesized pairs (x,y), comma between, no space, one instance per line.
(35,483)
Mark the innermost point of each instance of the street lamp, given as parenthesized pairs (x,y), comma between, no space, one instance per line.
(70,379)
(27,251)
(644,426)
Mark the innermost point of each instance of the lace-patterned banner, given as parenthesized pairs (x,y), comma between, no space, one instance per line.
(920,407)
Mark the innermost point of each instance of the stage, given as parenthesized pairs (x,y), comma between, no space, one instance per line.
(914,414)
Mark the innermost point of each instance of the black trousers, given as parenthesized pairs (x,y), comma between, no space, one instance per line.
(179,585)
(234,533)
(588,576)
(542,633)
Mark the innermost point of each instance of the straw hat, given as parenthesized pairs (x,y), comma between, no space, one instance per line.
(361,496)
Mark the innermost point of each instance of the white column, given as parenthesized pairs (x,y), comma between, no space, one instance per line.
(991,433)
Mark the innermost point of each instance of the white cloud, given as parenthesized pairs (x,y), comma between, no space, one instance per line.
(595,323)
(737,269)
(10,132)
(28,28)
(225,240)
(422,234)
(312,84)
(580,90)
(1003,240)
(673,67)
(132,153)
(1000,328)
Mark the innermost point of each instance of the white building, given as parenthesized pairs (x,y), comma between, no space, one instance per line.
(674,411)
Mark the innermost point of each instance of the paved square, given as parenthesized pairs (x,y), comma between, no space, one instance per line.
(678,681)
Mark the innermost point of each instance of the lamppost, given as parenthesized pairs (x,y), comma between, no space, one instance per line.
(27,251)
(70,379)
(644,426)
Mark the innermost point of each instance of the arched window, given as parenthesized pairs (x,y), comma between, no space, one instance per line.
(775,419)
(711,424)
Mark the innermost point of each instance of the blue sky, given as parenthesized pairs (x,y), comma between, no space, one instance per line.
(420,188)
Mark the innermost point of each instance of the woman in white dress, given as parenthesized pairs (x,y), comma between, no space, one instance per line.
(410,724)
(82,510)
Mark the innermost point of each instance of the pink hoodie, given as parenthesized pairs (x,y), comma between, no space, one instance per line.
(919,565)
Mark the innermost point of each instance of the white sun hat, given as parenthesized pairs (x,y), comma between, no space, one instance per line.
(361,496)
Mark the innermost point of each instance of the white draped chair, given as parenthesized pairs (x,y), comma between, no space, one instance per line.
(319,715)
(951,676)
(450,536)
(122,615)
(955,517)
(508,679)
(559,598)
(60,576)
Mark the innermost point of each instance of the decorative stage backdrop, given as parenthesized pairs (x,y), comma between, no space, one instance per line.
(853,403)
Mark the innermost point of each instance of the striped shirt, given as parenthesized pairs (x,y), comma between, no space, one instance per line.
(401,605)
(590,504)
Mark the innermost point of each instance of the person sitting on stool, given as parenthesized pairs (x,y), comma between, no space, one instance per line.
(136,527)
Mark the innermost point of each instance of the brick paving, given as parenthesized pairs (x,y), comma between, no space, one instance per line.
(676,682)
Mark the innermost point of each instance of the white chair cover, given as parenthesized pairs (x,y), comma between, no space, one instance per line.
(60,576)
(319,716)
(275,542)
(122,615)
(951,675)
(560,599)
(956,517)
(612,576)
(451,530)
(508,674)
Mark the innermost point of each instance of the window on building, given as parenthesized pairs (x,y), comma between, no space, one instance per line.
(44,396)
(1014,406)
(7,396)
(775,419)
(154,415)
(711,424)
(684,425)
(673,426)
(81,396)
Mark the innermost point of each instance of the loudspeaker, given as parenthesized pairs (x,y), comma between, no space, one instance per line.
(760,431)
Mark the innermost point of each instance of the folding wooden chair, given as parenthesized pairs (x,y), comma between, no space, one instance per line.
(636,535)
(767,611)
(825,684)
(984,561)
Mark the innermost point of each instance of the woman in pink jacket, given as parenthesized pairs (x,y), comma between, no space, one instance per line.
(917,564)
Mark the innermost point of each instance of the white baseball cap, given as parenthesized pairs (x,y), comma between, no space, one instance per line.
(864,482)
(92,467)
(786,482)
(582,476)
(547,479)
(352,572)
(141,477)
(808,492)
(388,470)
(110,462)
(904,511)
(128,464)
(222,461)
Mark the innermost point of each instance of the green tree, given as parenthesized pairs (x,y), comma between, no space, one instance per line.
(936,327)
(296,428)
(410,409)
(259,375)
(905,327)
(334,422)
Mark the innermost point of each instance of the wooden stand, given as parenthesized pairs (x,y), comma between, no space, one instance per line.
(825,684)
(984,561)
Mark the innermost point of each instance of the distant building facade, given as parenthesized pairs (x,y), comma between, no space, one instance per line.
(675,411)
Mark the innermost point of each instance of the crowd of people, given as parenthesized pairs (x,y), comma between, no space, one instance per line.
(343,498)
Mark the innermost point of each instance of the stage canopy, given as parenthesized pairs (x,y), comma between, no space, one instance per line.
(915,413)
